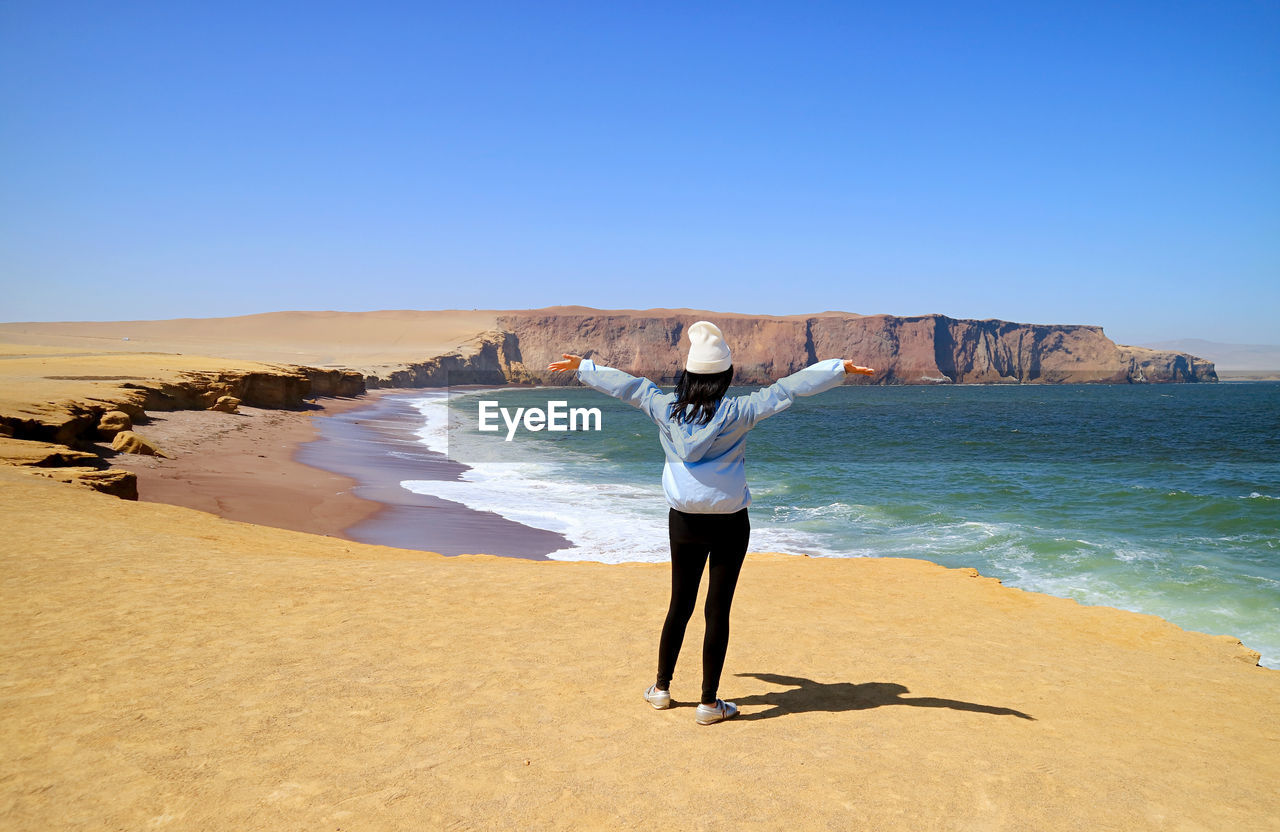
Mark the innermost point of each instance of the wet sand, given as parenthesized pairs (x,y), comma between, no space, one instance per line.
(241,466)
(376,447)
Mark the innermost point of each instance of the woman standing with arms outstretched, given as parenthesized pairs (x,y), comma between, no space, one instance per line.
(703,436)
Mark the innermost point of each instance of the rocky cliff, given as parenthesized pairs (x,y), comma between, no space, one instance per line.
(491,357)
(51,401)
(928,349)
(76,416)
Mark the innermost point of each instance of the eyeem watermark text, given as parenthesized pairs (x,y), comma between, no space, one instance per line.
(558,416)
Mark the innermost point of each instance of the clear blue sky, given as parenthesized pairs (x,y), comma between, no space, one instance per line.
(1113,163)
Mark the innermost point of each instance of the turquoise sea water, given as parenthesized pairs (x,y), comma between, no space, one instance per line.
(1159,499)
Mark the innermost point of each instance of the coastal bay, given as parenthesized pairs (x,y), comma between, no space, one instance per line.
(219,674)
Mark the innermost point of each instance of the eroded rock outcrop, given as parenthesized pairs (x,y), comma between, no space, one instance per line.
(335,382)
(490,358)
(927,349)
(113,481)
(69,420)
(30,454)
(126,441)
(198,391)
(54,407)
(226,404)
(112,422)
(68,465)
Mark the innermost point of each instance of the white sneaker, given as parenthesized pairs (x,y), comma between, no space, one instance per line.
(660,699)
(719,712)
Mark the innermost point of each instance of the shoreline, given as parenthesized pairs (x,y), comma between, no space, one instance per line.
(349,442)
(334,469)
(312,471)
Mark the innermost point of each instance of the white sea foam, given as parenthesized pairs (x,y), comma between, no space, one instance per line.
(612,522)
(605,522)
(436,417)
(1130,554)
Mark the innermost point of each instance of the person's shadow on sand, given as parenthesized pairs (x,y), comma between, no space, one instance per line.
(806,695)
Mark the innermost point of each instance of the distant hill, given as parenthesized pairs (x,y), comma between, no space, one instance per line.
(1226,356)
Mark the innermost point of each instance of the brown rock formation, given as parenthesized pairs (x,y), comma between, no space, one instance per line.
(72,398)
(928,349)
(113,481)
(67,465)
(132,443)
(112,422)
(490,358)
(334,382)
(407,348)
(67,405)
(27,454)
(286,387)
(226,404)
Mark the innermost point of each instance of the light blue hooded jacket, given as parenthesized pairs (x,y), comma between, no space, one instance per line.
(705,470)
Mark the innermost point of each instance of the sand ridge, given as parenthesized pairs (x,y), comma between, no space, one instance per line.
(320,339)
(164,668)
(38,381)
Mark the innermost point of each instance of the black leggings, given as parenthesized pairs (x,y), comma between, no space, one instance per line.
(693,537)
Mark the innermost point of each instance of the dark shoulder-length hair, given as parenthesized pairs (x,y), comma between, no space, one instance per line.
(697,395)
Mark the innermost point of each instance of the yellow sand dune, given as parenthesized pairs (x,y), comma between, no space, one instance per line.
(320,339)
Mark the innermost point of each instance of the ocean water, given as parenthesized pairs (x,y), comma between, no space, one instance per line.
(1158,499)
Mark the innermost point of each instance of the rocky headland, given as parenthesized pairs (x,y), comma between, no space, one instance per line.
(69,384)
(404,348)
(929,349)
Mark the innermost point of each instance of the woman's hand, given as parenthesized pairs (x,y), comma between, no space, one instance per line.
(850,367)
(568,364)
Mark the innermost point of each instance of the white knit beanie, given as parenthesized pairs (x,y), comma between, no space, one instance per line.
(708,353)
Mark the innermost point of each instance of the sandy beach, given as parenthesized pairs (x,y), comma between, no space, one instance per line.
(375,446)
(251,466)
(164,667)
(241,466)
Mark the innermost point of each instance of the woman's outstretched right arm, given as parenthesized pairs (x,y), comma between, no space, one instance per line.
(635,391)
(810,381)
